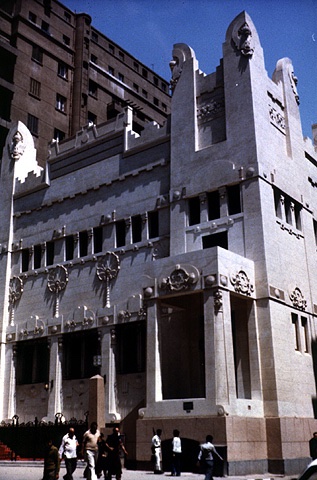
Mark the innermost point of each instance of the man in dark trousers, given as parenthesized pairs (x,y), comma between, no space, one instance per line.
(51,461)
(313,446)
(115,445)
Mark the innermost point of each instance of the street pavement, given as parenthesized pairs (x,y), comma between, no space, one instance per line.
(28,470)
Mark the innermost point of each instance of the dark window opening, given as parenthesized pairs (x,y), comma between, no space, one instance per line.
(45,27)
(98,239)
(193,211)
(153,224)
(296,331)
(136,228)
(92,118)
(69,247)
(49,253)
(25,253)
(80,353)
(33,124)
(58,135)
(37,256)
(234,199)
(32,362)
(131,347)
(120,233)
(5,103)
(216,240)
(7,65)
(213,200)
(83,243)
(37,54)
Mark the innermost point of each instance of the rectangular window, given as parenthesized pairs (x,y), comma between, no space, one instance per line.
(94,37)
(35,88)
(98,239)
(153,224)
(58,135)
(315,230)
(234,200)
(297,213)
(288,210)
(62,70)
(60,103)
(136,228)
(155,101)
(32,17)
(131,347)
(135,87)
(25,257)
(37,256)
(83,243)
(216,240)
(49,253)
(120,233)
(136,66)
(93,88)
(121,77)
(32,362)
(69,247)
(66,40)
(305,334)
(156,81)
(213,200)
(164,107)
(296,331)
(45,27)
(92,118)
(94,59)
(121,56)
(79,353)
(67,16)
(193,211)
(33,124)
(144,72)
(144,93)
(164,87)
(37,54)
(111,48)
(111,70)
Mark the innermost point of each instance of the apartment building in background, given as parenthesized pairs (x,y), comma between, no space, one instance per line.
(59,73)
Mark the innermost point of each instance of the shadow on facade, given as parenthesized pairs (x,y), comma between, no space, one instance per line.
(314,357)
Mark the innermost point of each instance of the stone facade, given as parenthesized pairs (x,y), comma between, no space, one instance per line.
(178,265)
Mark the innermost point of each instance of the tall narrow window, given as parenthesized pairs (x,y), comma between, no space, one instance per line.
(131,352)
(37,54)
(49,253)
(35,88)
(136,228)
(83,243)
(305,332)
(36,368)
(120,233)
(234,199)
(315,230)
(296,331)
(60,103)
(33,124)
(213,200)
(37,256)
(153,224)
(25,254)
(98,239)
(193,211)
(62,70)
(69,247)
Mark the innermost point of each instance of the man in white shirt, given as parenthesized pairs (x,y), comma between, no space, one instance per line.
(177,453)
(68,451)
(156,450)
(206,456)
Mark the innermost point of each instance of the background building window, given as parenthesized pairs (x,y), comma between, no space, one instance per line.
(93,88)
(60,103)
(66,40)
(33,124)
(62,70)
(58,135)
(37,54)
(35,88)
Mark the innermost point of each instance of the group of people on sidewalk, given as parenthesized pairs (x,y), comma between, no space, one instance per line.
(205,458)
(101,456)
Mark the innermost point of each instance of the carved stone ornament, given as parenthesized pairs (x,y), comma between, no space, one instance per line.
(15,293)
(217,300)
(107,269)
(56,283)
(241,283)
(242,39)
(176,71)
(298,299)
(17,147)
(293,80)
(178,280)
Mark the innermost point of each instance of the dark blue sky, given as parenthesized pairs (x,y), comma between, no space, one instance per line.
(148,30)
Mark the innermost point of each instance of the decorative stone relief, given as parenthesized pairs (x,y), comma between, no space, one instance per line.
(181,53)
(56,283)
(298,299)
(210,110)
(17,146)
(179,279)
(15,293)
(277,118)
(293,80)
(242,283)
(242,38)
(217,300)
(107,269)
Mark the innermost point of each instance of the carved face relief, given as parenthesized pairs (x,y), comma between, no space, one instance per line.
(176,70)
(243,40)
(17,148)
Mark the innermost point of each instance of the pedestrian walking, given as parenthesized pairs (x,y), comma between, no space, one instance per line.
(68,452)
(206,456)
(313,446)
(156,451)
(102,462)
(176,454)
(51,461)
(90,450)
(115,446)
